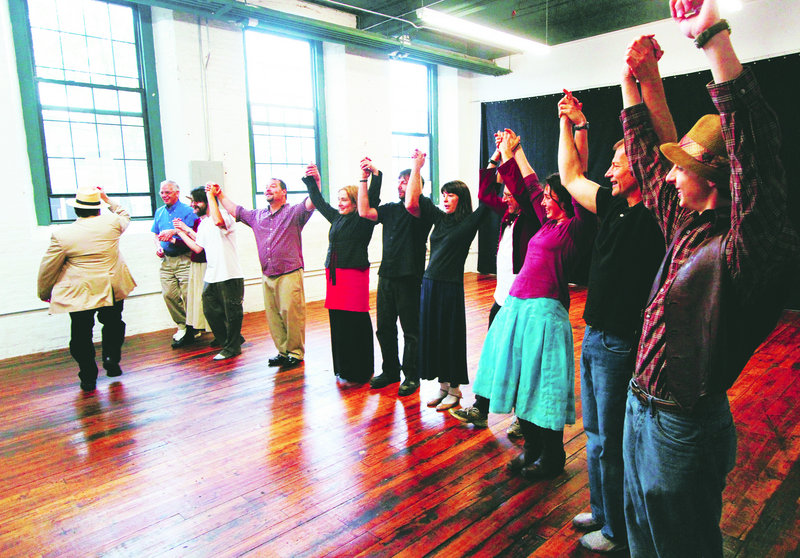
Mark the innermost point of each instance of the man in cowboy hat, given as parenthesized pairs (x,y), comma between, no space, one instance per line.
(83,273)
(720,198)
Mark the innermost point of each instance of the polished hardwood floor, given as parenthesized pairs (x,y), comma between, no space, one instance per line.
(185,456)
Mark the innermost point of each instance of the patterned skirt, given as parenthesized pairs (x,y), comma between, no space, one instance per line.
(528,363)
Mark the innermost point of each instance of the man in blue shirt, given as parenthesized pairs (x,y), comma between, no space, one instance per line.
(175,262)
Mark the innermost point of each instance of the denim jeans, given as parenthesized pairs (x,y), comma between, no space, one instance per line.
(606,369)
(675,469)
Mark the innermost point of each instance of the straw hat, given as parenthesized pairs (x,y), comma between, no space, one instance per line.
(702,151)
(88,197)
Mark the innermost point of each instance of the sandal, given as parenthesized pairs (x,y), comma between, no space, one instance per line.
(449,402)
(438,399)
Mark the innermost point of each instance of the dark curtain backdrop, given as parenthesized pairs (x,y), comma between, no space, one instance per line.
(535,120)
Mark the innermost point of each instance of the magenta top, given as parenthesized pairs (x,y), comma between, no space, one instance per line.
(552,254)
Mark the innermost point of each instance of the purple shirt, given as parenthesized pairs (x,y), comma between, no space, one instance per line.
(552,253)
(280,245)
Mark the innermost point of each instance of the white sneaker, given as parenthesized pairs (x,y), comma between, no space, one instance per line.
(179,334)
(596,541)
(586,522)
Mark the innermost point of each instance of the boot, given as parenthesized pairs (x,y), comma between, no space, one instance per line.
(551,462)
(532,448)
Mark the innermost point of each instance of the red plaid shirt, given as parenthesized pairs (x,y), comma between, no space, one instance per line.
(761,237)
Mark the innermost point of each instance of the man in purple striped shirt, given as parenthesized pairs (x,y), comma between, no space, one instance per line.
(277,229)
(720,197)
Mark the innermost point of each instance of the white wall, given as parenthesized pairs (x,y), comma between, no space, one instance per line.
(209,123)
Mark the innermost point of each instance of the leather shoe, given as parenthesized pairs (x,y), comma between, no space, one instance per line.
(291,362)
(112,369)
(408,387)
(88,387)
(382,381)
(184,341)
(277,360)
(225,354)
(518,463)
(539,470)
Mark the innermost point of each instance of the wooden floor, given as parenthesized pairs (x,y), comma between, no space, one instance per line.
(184,456)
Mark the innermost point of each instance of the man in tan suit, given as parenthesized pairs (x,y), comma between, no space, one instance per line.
(82,272)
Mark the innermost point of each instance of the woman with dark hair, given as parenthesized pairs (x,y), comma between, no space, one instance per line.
(347,279)
(527,363)
(442,315)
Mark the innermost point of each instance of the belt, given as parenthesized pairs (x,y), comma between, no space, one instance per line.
(655,402)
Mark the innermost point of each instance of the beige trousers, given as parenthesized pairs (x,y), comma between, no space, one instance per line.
(174,274)
(285,307)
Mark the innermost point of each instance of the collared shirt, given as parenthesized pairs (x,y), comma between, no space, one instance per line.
(162,221)
(278,238)
(760,238)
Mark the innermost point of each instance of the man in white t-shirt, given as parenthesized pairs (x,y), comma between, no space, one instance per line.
(224,281)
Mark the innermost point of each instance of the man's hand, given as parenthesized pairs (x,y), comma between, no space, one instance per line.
(367,167)
(418,159)
(313,172)
(166,235)
(213,190)
(570,107)
(694,16)
(180,225)
(508,143)
(103,195)
(642,58)
(160,253)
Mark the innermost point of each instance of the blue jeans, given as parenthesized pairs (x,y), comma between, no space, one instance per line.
(675,469)
(606,368)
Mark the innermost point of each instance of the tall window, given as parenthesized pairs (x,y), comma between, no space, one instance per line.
(89,95)
(413,118)
(282,86)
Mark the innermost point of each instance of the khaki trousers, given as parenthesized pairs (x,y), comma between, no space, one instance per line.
(174,276)
(285,307)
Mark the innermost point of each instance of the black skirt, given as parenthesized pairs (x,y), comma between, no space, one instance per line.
(443,332)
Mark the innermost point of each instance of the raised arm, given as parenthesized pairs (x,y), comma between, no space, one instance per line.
(212,191)
(227,203)
(571,165)
(725,65)
(642,58)
(365,208)
(314,186)
(414,188)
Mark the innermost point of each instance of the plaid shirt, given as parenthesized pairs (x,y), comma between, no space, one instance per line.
(761,237)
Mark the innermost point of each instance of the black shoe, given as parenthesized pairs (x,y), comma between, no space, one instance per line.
(539,470)
(383,380)
(88,387)
(408,387)
(184,341)
(277,360)
(519,463)
(291,362)
(112,369)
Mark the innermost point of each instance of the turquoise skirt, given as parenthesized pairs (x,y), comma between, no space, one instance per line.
(528,363)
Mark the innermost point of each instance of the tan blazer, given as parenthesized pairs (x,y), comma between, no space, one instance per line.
(83,269)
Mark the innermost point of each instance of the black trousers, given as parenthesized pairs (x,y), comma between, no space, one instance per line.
(81,346)
(398,298)
(352,346)
(222,306)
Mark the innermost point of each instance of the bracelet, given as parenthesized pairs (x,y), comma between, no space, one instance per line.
(703,38)
(516,147)
(363,180)
(584,126)
(493,162)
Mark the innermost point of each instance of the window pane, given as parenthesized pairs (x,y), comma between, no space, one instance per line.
(101,60)
(58,139)
(84,140)
(409,97)
(79,97)
(97,23)
(110,142)
(133,140)
(106,99)
(62,176)
(46,50)
(137,175)
(52,94)
(42,14)
(125,63)
(76,55)
(130,102)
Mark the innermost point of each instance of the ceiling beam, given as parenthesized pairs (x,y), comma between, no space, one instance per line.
(306,28)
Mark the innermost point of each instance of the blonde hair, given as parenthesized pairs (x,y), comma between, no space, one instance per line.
(352,193)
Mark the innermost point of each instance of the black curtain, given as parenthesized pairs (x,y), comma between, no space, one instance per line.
(535,120)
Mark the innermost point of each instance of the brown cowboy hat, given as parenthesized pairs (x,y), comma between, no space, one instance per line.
(702,151)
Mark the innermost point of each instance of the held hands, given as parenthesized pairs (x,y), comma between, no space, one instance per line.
(166,235)
(641,59)
(367,167)
(313,172)
(213,190)
(180,225)
(418,159)
(570,108)
(509,143)
(694,16)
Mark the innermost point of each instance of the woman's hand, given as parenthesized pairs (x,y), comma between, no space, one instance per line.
(313,172)
(694,16)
